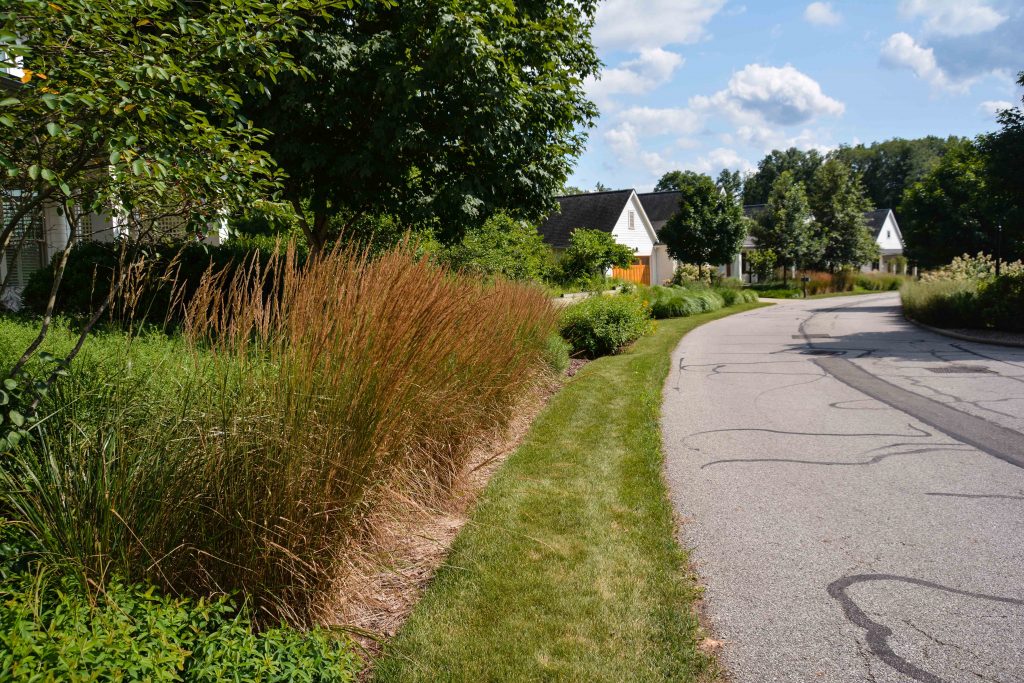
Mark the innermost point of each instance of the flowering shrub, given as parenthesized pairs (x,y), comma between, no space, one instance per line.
(978,268)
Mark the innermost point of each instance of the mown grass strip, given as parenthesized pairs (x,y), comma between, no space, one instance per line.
(569,568)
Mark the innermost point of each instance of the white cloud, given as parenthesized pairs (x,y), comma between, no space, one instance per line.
(901,51)
(638,24)
(776,95)
(954,17)
(653,121)
(993,107)
(822,14)
(652,67)
(624,142)
(717,159)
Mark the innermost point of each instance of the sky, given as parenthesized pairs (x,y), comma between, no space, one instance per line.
(711,84)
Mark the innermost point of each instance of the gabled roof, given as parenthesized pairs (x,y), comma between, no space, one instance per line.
(876,220)
(595,211)
(660,206)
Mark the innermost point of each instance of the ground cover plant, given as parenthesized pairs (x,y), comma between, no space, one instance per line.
(569,568)
(240,456)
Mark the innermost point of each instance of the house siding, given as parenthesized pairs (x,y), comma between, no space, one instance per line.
(639,238)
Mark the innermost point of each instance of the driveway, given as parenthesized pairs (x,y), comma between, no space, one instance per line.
(852,488)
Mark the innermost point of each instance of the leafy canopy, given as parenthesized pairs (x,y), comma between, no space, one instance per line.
(434,111)
(800,164)
(709,226)
(785,226)
(951,210)
(837,202)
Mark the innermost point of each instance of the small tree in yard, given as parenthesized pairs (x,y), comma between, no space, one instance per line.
(785,225)
(591,253)
(709,226)
(762,263)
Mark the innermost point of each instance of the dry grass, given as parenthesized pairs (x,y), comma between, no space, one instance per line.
(305,399)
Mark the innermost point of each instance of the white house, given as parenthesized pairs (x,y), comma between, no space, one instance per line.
(620,213)
(889,239)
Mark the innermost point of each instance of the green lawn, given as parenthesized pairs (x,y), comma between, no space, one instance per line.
(569,568)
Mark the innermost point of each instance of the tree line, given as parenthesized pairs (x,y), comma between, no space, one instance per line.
(951,195)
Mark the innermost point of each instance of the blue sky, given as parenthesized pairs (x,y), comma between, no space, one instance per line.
(707,84)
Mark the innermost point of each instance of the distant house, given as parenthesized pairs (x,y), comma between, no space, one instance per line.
(882,222)
(621,214)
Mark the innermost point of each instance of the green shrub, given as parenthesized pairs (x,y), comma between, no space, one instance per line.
(590,254)
(50,631)
(731,297)
(502,246)
(777,292)
(1002,302)
(602,325)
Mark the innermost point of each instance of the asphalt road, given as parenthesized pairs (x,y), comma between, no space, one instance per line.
(852,489)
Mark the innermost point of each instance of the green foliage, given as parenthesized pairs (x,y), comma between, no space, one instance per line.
(137,105)
(678,302)
(1004,161)
(888,168)
(709,226)
(879,282)
(838,203)
(50,631)
(785,225)
(505,116)
(763,262)
(799,164)
(677,180)
(690,273)
(602,325)
(502,246)
(944,303)
(952,210)
(590,254)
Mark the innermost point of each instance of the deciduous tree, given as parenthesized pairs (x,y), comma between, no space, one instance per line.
(433,110)
(800,164)
(709,226)
(838,203)
(785,226)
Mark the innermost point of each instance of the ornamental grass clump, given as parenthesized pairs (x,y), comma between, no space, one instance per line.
(248,457)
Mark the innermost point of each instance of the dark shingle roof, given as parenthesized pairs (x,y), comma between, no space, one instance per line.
(595,211)
(660,206)
(875,220)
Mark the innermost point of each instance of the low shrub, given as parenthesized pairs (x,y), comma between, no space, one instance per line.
(602,325)
(51,631)
(1002,302)
(776,292)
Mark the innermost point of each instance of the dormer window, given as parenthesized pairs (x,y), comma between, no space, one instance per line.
(632,220)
